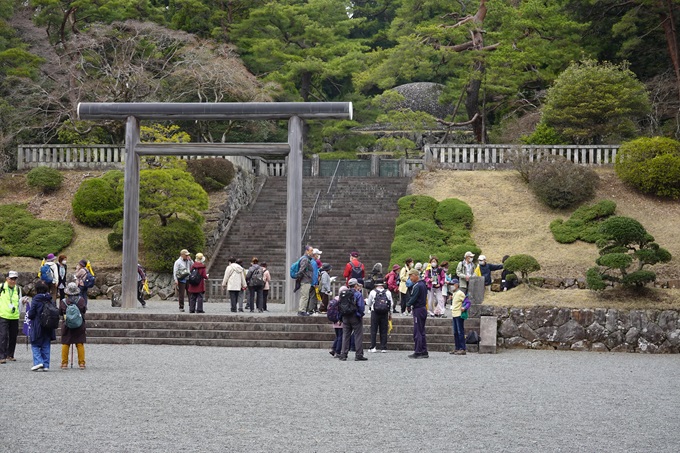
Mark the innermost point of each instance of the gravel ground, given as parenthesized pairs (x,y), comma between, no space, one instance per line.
(163,398)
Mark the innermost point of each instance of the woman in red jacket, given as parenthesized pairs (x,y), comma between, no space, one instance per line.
(196,291)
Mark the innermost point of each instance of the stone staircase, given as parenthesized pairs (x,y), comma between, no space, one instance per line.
(360,217)
(272,331)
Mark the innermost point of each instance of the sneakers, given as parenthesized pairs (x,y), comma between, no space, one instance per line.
(417,355)
(342,358)
(360,359)
(37,367)
(82,367)
(64,366)
(2,361)
(303,313)
(383,351)
(11,359)
(373,350)
(460,352)
(332,353)
(181,310)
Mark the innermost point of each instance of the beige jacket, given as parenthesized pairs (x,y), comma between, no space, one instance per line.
(234,278)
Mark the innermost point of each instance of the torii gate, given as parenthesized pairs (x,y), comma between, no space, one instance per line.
(294,112)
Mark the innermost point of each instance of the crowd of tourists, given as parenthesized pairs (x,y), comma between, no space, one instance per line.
(59,295)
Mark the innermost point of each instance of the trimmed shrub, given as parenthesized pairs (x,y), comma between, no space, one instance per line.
(544,135)
(162,244)
(651,165)
(419,207)
(98,203)
(21,234)
(46,179)
(559,183)
(211,174)
(583,223)
(453,213)
(115,238)
(522,264)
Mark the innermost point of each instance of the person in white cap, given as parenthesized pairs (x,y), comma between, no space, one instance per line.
(180,272)
(484,269)
(10,295)
(465,270)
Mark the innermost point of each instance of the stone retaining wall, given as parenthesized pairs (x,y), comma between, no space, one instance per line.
(600,329)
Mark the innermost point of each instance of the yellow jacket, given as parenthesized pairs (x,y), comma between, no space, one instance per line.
(9,298)
(457,303)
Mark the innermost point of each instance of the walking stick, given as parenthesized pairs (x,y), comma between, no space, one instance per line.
(71,356)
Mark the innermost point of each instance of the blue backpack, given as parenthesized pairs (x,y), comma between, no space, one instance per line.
(88,281)
(333,311)
(295,269)
(73,318)
(46,274)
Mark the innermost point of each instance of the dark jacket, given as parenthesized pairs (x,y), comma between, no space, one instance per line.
(249,274)
(73,336)
(37,331)
(361,304)
(418,295)
(486,269)
(200,288)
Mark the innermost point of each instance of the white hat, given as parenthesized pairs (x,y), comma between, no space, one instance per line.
(13,274)
(481,258)
(316,252)
(469,254)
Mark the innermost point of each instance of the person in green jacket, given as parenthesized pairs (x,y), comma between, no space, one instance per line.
(10,295)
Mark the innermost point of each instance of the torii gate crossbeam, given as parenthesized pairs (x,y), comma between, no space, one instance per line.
(295,112)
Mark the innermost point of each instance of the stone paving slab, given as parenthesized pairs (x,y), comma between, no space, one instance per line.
(140,398)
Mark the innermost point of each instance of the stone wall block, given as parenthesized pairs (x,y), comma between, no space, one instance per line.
(508,328)
(612,320)
(542,317)
(653,333)
(562,317)
(517,315)
(583,345)
(599,347)
(632,335)
(546,334)
(623,320)
(637,319)
(674,338)
(517,343)
(585,317)
(570,332)
(486,310)
(527,332)
(614,340)
(668,320)
(165,293)
(600,316)
(563,346)
(645,346)
(112,279)
(596,333)
(541,345)
(623,347)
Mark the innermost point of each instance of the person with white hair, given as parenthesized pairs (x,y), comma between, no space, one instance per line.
(465,270)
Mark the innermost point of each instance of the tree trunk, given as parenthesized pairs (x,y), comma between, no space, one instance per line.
(668,24)
(305,85)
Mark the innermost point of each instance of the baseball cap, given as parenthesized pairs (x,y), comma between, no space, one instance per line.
(317,252)
(413,272)
(481,258)
(469,254)
(184,252)
(13,274)
(352,282)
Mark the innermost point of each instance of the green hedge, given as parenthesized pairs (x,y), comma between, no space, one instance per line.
(651,165)
(426,227)
(583,224)
(115,238)
(21,234)
(211,174)
(162,244)
(559,183)
(98,203)
(45,178)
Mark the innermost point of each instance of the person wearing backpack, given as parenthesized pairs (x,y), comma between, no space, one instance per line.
(352,310)
(255,281)
(265,291)
(380,304)
(307,276)
(484,269)
(62,272)
(49,274)
(73,309)
(457,310)
(141,280)
(465,270)
(42,332)
(197,291)
(354,269)
(81,274)
(335,317)
(392,280)
(418,304)
(10,307)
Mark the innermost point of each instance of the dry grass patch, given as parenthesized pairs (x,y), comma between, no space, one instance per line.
(510,220)
(620,298)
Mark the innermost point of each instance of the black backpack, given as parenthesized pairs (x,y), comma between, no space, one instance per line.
(369,283)
(381,304)
(49,317)
(257,277)
(356,271)
(347,305)
(195,277)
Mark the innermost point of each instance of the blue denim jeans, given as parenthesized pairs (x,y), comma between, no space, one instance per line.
(83,294)
(419,320)
(459,333)
(337,344)
(41,352)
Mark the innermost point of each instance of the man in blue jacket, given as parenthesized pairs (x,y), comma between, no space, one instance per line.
(353,324)
(418,304)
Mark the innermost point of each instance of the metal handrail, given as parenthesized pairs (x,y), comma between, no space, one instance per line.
(312,215)
(330,186)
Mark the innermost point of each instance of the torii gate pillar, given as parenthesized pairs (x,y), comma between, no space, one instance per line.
(294,207)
